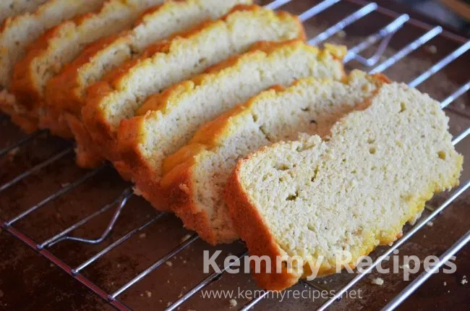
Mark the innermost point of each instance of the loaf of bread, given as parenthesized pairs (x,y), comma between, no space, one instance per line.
(169,120)
(317,200)
(62,44)
(19,32)
(118,96)
(66,92)
(10,8)
(198,173)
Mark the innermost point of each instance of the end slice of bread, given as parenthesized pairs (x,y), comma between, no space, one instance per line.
(197,174)
(66,93)
(169,120)
(11,8)
(317,200)
(124,90)
(19,32)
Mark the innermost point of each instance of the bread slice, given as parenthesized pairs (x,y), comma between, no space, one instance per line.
(67,91)
(125,89)
(198,173)
(10,8)
(18,32)
(168,121)
(324,199)
(61,44)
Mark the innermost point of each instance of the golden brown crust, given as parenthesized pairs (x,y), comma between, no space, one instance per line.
(87,155)
(250,226)
(53,119)
(95,121)
(23,85)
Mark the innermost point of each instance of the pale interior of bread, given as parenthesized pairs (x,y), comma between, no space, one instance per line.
(356,189)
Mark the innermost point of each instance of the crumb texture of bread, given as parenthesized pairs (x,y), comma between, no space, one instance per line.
(62,44)
(182,109)
(10,8)
(117,98)
(204,165)
(19,32)
(66,92)
(319,199)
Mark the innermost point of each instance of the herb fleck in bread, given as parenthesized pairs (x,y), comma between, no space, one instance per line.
(10,8)
(60,45)
(198,173)
(169,120)
(20,31)
(349,193)
(125,89)
(66,92)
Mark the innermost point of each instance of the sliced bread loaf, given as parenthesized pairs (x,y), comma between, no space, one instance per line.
(169,120)
(316,200)
(67,91)
(123,91)
(61,44)
(18,32)
(10,8)
(198,173)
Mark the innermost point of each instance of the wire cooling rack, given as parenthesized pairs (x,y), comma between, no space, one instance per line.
(375,62)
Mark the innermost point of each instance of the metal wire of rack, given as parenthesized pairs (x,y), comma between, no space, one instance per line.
(382,38)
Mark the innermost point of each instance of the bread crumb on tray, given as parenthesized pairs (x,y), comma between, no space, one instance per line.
(378,281)
(233,303)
